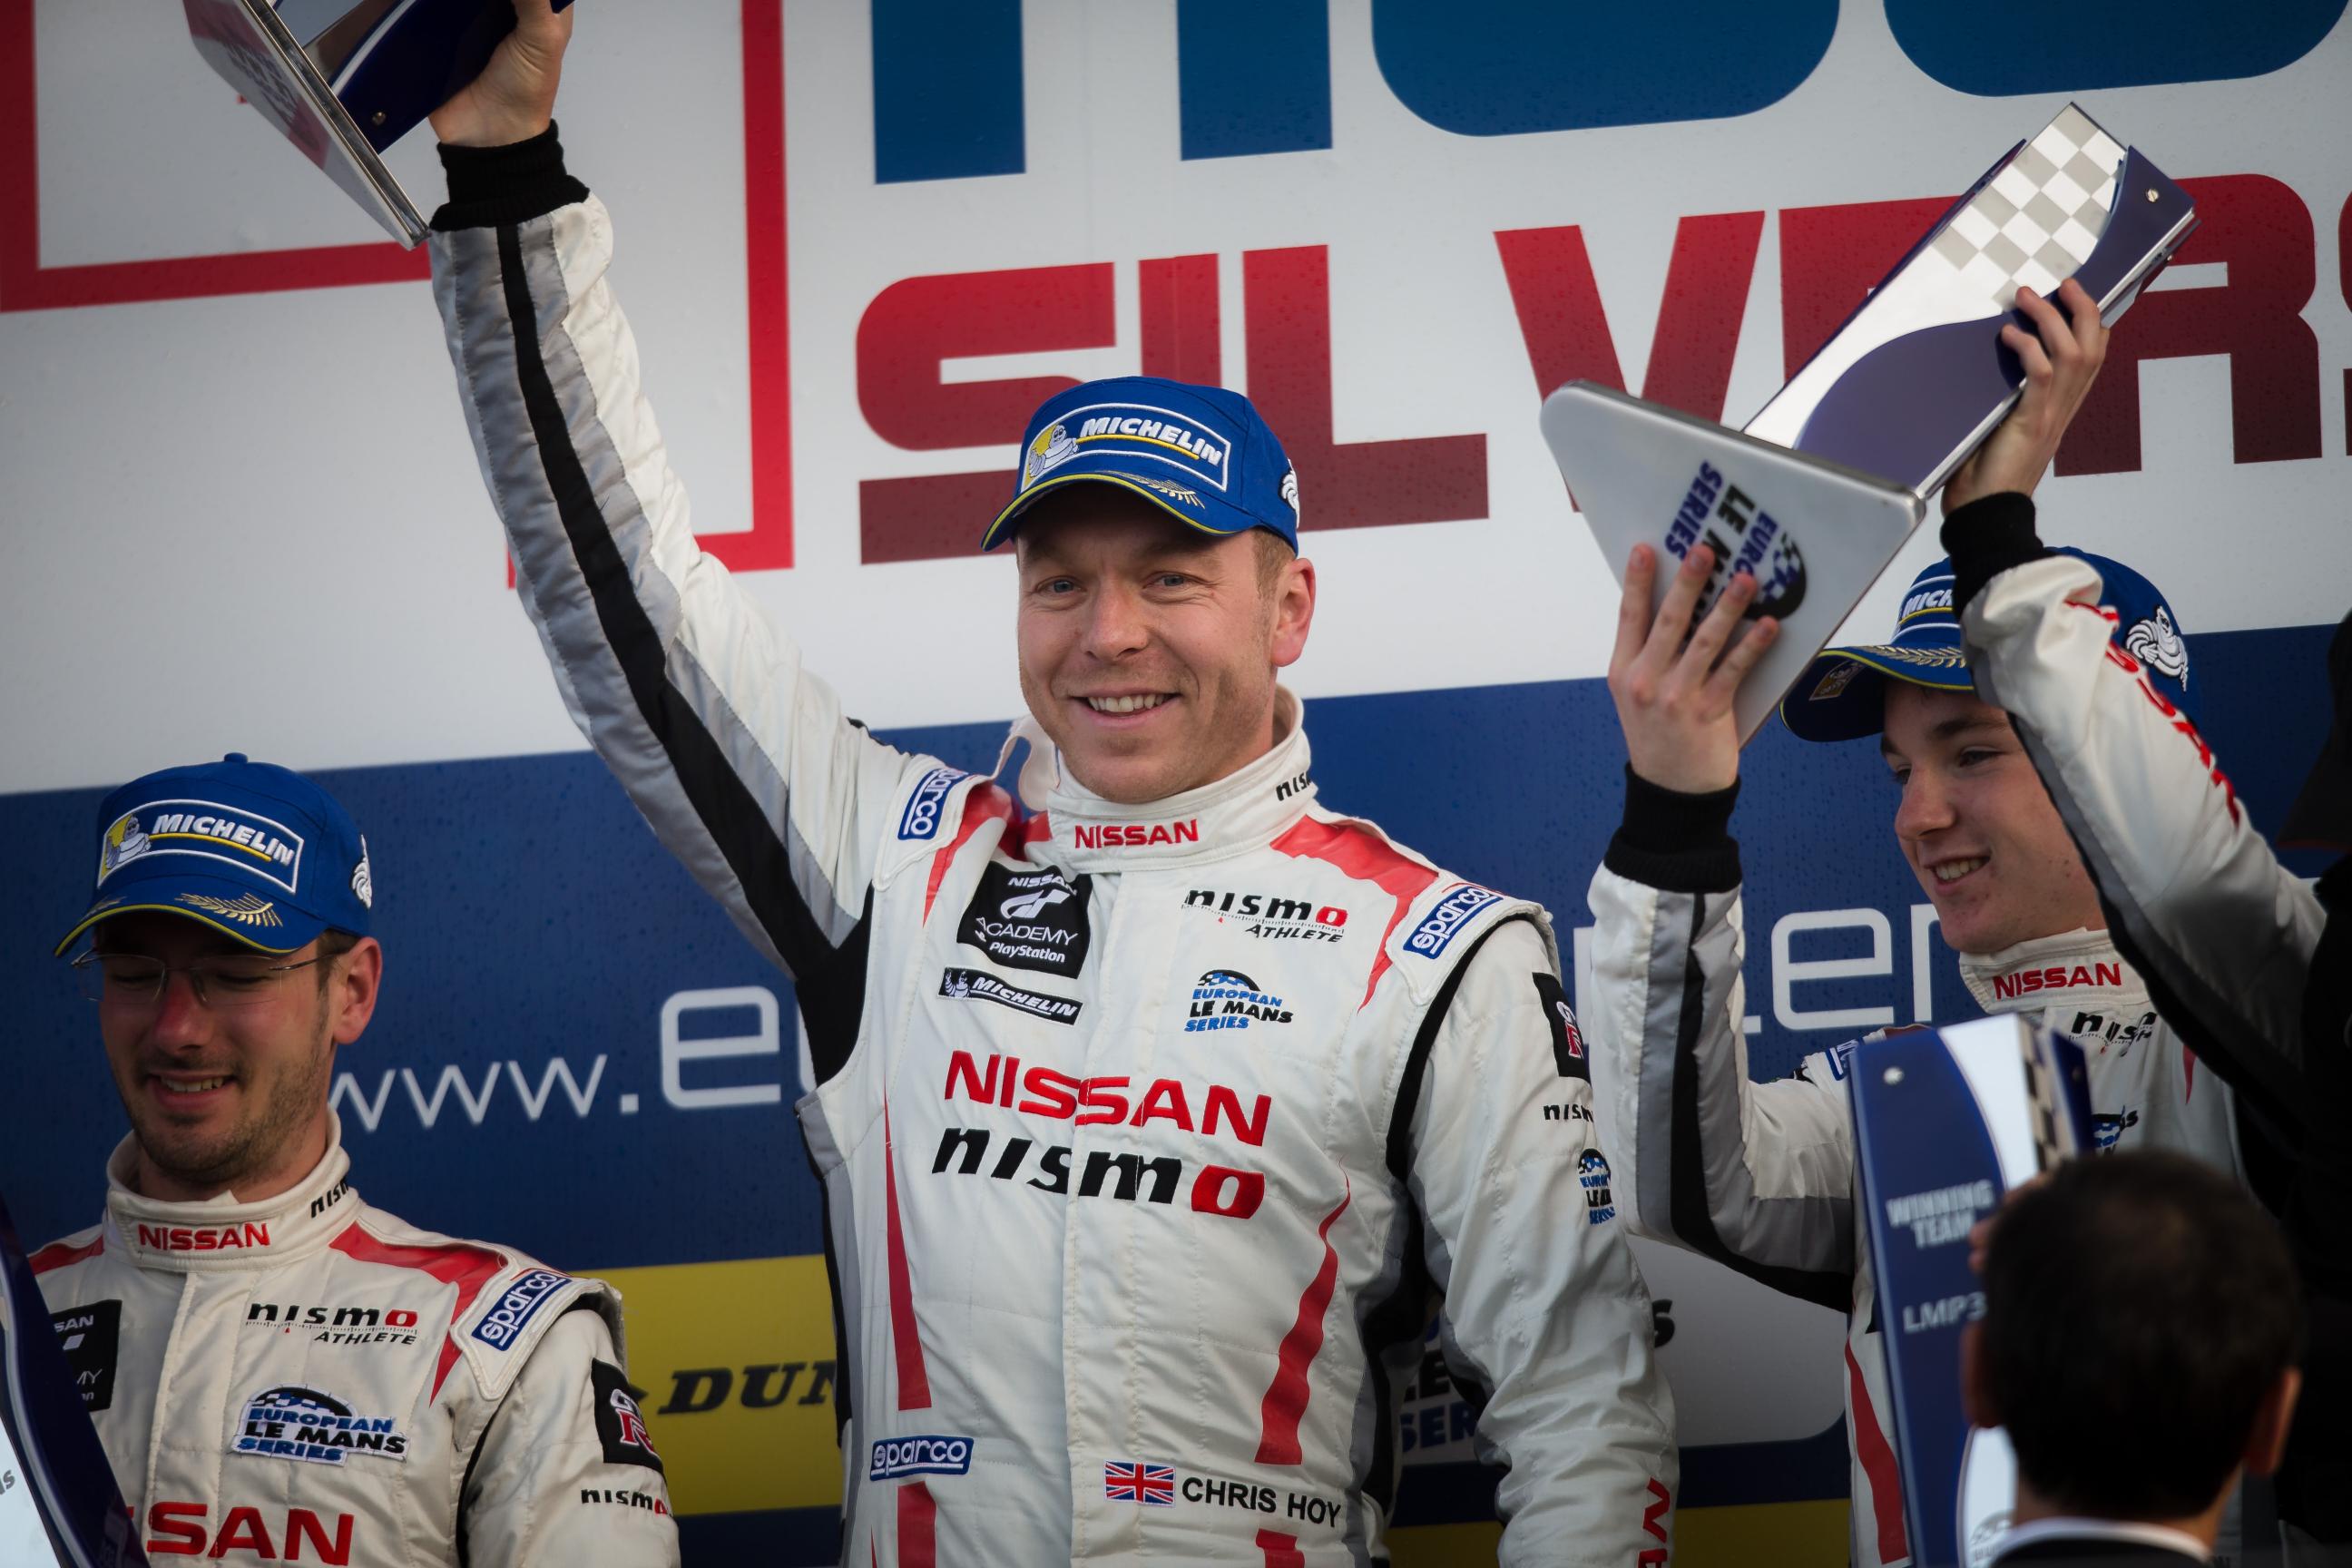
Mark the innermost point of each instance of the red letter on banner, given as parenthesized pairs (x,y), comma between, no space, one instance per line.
(2263,231)
(1287,307)
(1567,333)
(1180,319)
(907,331)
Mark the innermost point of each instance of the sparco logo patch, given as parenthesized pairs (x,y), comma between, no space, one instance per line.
(921,817)
(972,983)
(896,1457)
(293,1423)
(517,1305)
(90,1335)
(1436,932)
(1029,919)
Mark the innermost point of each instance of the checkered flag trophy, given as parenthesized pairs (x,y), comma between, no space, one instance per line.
(1820,491)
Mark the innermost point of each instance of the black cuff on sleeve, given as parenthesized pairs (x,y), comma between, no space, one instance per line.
(1675,842)
(514,184)
(1986,538)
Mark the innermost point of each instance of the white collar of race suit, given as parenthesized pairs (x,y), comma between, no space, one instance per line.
(1240,811)
(2071,968)
(221,1233)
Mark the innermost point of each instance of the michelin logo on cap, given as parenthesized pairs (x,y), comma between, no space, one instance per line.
(254,844)
(1141,430)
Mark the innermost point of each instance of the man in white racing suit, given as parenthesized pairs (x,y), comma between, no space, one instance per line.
(1762,1177)
(278,1371)
(1152,1126)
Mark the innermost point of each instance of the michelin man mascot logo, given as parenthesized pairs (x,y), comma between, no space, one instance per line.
(124,843)
(1050,450)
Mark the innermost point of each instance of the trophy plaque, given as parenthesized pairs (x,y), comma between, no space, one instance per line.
(1946,1122)
(1899,396)
(343,81)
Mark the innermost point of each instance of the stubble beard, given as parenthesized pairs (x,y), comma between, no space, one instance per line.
(221,1162)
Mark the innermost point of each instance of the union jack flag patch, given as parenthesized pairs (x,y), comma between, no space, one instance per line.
(1154,1484)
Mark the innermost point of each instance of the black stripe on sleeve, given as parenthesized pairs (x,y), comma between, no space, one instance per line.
(830,983)
(1693,1224)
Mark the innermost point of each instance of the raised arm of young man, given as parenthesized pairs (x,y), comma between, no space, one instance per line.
(1757,1176)
(2223,933)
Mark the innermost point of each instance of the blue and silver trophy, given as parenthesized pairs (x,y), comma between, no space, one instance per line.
(1820,491)
(59,1503)
(343,81)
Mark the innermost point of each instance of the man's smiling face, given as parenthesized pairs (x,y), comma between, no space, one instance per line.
(1977,826)
(1148,648)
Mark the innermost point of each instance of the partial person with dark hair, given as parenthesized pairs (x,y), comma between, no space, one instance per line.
(276,1368)
(2141,1326)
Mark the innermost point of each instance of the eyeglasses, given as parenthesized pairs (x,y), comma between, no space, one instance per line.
(221,983)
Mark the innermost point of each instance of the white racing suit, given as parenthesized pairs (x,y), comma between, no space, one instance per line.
(1762,1176)
(308,1379)
(2229,939)
(1149,1136)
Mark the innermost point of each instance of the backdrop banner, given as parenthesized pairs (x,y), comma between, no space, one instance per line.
(858,244)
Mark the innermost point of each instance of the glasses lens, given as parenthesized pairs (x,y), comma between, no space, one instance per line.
(120,977)
(237,982)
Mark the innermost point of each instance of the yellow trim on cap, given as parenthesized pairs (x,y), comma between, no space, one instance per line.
(988,540)
(111,910)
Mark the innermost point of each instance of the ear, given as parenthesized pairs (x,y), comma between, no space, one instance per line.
(351,995)
(2273,1419)
(1293,612)
(1976,1383)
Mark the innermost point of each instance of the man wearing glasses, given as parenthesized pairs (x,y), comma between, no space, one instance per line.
(275,1368)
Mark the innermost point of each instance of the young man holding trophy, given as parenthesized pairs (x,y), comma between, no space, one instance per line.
(1762,1177)
(1154,1125)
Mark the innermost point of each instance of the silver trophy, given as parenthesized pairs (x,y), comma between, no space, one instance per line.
(343,81)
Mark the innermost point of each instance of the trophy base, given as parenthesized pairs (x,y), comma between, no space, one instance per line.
(1815,533)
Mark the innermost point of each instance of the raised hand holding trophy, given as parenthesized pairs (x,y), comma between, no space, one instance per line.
(343,81)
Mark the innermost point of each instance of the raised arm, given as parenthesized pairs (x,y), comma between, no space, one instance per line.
(2223,933)
(744,763)
(1757,1176)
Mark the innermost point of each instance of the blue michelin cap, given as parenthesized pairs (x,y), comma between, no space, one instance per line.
(249,848)
(1841,695)
(1200,453)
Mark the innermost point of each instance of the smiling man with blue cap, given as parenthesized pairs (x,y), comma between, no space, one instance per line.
(274,1365)
(1761,1176)
(1159,1111)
